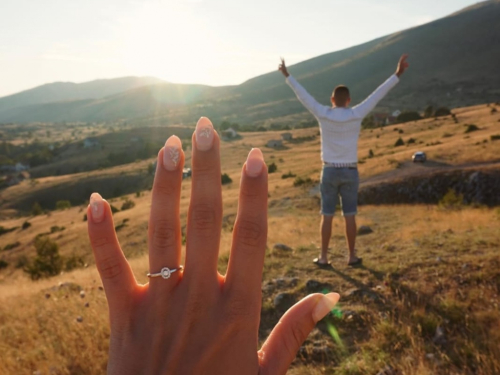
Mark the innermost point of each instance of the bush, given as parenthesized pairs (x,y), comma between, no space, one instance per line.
(299,181)
(408,116)
(399,142)
(288,175)
(84,217)
(36,209)
(47,262)
(63,205)
(493,110)
(3,264)
(495,137)
(26,225)
(442,111)
(429,111)
(11,246)
(4,230)
(113,209)
(452,200)
(225,179)
(128,204)
(471,128)
(401,131)
(56,228)
(410,141)
(72,262)
(271,168)
(370,153)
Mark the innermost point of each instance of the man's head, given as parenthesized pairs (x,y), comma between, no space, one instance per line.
(341,96)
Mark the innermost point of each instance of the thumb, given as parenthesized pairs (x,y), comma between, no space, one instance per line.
(282,345)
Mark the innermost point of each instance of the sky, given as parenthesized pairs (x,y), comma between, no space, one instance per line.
(213,42)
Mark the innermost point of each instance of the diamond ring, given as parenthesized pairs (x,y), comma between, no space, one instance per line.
(165,272)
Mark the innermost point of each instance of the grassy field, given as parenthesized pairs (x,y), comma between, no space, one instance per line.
(426,300)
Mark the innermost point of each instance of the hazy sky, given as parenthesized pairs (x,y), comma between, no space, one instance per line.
(215,42)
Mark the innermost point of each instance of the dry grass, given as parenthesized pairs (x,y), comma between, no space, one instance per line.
(424,268)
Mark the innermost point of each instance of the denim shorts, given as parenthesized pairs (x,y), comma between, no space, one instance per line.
(339,182)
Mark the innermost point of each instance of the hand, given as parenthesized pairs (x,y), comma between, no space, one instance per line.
(282,67)
(402,65)
(197,321)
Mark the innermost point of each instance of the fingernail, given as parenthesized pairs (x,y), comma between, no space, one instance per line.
(204,134)
(97,207)
(172,153)
(325,305)
(255,162)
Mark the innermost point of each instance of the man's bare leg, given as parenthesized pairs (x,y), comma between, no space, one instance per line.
(350,234)
(326,234)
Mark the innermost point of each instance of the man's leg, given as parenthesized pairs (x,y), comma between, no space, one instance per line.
(350,235)
(326,234)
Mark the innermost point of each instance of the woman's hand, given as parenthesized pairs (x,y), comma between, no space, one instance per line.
(197,321)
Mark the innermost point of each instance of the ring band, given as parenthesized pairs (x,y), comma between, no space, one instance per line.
(165,272)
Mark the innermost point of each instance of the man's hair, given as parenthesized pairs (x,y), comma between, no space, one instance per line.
(341,92)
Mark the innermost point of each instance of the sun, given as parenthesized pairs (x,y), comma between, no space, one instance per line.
(169,41)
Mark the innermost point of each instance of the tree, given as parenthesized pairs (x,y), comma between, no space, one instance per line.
(408,116)
(272,168)
(442,111)
(47,262)
(429,111)
(37,209)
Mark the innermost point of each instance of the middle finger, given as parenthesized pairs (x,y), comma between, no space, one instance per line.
(205,210)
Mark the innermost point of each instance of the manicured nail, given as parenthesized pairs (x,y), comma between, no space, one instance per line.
(204,134)
(255,162)
(172,153)
(97,207)
(325,305)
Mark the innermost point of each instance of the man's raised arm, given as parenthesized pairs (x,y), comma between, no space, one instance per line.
(362,109)
(317,109)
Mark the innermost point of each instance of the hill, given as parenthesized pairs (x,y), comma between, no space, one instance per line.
(69,91)
(453,63)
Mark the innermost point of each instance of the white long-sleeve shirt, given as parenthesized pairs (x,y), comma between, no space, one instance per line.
(340,126)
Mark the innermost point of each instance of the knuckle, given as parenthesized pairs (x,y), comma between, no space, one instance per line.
(164,234)
(109,268)
(249,193)
(165,189)
(298,333)
(203,216)
(248,233)
(100,242)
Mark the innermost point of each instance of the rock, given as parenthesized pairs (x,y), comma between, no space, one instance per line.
(313,286)
(82,294)
(364,229)
(79,319)
(100,288)
(353,292)
(47,295)
(284,301)
(87,304)
(439,336)
(320,353)
(281,247)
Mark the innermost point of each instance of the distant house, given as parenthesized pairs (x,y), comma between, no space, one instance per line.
(186,172)
(396,113)
(230,133)
(90,143)
(275,143)
(287,136)
(19,167)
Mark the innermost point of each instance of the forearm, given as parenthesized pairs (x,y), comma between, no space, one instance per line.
(304,97)
(369,103)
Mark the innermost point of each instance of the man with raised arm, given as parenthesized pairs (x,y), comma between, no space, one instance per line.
(340,126)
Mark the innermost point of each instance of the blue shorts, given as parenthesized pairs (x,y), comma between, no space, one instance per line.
(339,182)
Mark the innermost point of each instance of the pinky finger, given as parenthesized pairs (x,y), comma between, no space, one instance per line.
(116,274)
(285,340)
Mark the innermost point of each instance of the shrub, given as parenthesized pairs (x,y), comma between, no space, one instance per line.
(11,246)
(129,203)
(26,225)
(370,153)
(63,205)
(452,200)
(493,110)
(408,116)
(47,262)
(299,181)
(495,137)
(84,217)
(3,264)
(272,168)
(401,131)
(36,209)
(429,111)
(288,175)
(225,179)
(73,261)
(399,142)
(410,141)
(22,261)
(113,209)
(56,228)
(442,111)
(471,128)
(4,230)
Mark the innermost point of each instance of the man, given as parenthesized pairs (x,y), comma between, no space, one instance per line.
(340,127)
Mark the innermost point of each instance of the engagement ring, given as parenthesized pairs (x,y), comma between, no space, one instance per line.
(165,272)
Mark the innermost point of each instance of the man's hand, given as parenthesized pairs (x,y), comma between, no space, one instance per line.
(402,65)
(282,67)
